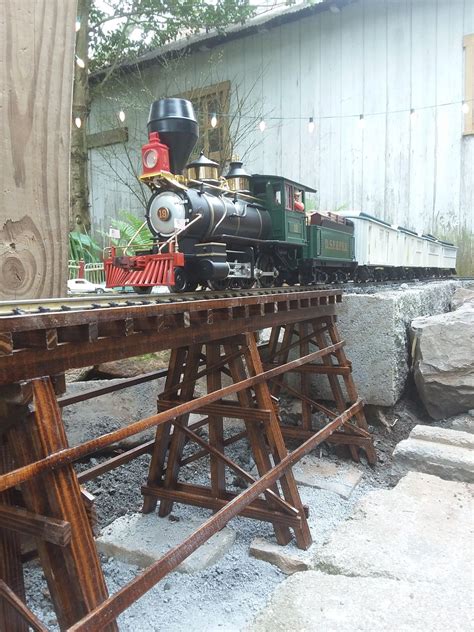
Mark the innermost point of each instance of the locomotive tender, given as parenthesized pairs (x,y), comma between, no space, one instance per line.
(238,230)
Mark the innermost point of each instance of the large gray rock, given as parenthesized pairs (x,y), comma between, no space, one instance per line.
(374,327)
(421,530)
(443,348)
(462,296)
(334,603)
(443,452)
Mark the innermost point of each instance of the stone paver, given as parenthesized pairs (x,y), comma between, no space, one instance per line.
(287,561)
(440,451)
(141,539)
(313,601)
(340,478)
(422,530)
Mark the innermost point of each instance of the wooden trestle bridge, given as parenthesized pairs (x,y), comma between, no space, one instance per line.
(210,336)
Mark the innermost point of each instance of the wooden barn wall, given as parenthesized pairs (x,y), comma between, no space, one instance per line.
(376,57)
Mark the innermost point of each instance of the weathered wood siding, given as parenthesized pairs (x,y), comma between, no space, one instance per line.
(36,69)
(379,58)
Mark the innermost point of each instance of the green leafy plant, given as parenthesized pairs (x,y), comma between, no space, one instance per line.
(132,229)
(82,247)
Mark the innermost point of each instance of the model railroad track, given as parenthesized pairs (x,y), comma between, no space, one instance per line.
(81,303)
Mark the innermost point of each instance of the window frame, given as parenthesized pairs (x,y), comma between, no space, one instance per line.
(200,98)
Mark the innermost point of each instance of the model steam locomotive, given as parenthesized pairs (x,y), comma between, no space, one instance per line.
(241,229)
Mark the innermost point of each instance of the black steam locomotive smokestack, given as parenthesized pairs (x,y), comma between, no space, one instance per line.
(175,122)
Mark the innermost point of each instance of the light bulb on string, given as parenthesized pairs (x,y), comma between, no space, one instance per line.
(262,125)
(80,62)
(213,120)
(465,107)
(78,26)
(78,122)
(121,116)
(361,121)
(311,125)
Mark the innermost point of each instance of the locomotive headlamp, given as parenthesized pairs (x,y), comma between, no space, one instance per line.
(150,158)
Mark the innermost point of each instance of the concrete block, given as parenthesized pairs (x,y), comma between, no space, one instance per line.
(421,530)
(340,478)
(374,327)
(141,539)
(89,419)
(334,603)
(446,453)
(288,561)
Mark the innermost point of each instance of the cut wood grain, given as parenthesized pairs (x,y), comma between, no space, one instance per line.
(36,70)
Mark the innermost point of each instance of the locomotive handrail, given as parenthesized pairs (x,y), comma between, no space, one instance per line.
(179,232)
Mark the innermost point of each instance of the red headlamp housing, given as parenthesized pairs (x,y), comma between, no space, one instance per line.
(155,156)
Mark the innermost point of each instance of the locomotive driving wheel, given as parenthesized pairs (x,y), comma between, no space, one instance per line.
(182,283)
(265,264)
(218,285)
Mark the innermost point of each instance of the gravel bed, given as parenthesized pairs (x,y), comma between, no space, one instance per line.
(227,595)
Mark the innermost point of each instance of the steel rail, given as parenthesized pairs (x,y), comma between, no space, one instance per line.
(74,303)
(69,455)
(137,587)
(19,307)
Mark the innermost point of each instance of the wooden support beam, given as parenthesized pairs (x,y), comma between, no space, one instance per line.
(28,523)
(27,617)
(224,409)
(11,568)
(69,455)
(73,572)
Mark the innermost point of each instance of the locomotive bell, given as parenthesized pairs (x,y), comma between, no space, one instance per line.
(175,122)
(237,178)
(203,169)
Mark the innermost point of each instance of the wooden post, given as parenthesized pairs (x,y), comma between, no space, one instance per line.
(73,572)
(36,74)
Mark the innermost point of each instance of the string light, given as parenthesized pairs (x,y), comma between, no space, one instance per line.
(313,121)
(121,116)
(80,62)
(78,122)
(78,26)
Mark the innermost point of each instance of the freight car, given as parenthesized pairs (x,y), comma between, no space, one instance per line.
(242,229)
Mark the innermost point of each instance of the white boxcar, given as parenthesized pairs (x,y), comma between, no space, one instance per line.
(376,241)
(433,252)
(448,255)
